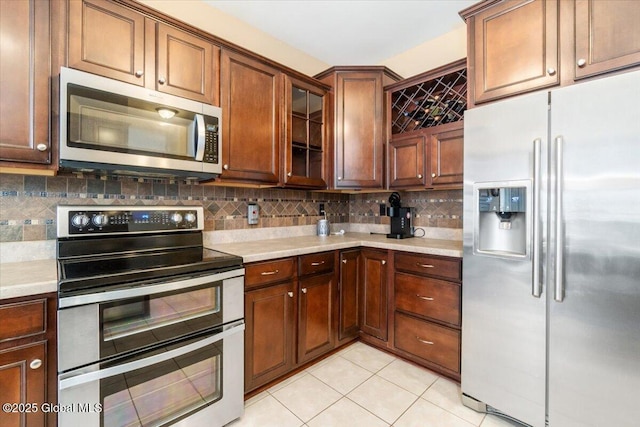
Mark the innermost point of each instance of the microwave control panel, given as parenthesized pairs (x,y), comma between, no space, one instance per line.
(211,139)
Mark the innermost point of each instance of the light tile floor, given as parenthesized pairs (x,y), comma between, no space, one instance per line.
(361,386)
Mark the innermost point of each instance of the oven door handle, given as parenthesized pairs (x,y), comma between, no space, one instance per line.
(66,302)
(152,360)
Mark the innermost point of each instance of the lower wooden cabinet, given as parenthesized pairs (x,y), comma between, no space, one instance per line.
(373,294)
(315,332)
(348,292)
(269,334)
(28,373)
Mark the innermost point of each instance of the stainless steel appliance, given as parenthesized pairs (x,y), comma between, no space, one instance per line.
(150,323)
(551,297)
(111,126)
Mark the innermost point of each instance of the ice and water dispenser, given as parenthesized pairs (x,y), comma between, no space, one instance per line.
(501,225)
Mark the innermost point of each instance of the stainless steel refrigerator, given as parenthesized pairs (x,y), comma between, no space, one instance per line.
(551,267)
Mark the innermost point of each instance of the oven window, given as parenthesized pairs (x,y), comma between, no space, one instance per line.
(135,323)
(165,392)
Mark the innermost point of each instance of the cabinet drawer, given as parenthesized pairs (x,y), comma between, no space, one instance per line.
(448,268)
(315,263)
(23,319)
(436,344)
(259,273)
(428,297)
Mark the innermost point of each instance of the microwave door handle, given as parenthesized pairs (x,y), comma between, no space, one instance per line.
(152,360)
(199,137)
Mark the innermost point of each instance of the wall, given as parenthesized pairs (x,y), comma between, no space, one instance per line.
(28,204)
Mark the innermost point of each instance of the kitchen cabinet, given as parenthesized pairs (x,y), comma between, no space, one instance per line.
(373,299)
(348,291)
(251,125)
(359,125)
(525,45)
(28,359)
(270,320)
(606,36)
(317,286)
(425,119)
(115,41)
(24,104)
(306,143)
(427,310)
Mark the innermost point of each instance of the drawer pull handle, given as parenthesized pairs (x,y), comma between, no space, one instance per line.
(315,264)
(269,273)
(424,341)
(35,363)
(290,294)
(424,298)
(424,265)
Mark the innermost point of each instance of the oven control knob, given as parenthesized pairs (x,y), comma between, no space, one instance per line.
(190,217)
(176,218)
(100,220)
(80,220)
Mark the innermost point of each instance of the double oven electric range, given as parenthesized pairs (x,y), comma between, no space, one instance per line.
(150,323)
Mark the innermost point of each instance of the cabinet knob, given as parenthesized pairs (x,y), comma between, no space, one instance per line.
(139,73)
(162,80)
(35,363)
(289,174)
(304,290)
(582,62)
(290,294)
(225,167)
(41,147)
(551,71)
(344,261)
(433,175)
(384,261)
(419,176)
(339,178)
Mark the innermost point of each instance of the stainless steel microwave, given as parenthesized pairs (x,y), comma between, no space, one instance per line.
(108,126)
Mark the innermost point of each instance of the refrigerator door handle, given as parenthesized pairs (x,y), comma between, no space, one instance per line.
(559,289)
(536,285)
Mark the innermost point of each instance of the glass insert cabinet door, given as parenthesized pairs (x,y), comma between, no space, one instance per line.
(305,133)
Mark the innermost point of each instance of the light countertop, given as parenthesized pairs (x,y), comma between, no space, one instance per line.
(36,277)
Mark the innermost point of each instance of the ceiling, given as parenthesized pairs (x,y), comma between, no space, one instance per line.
(349,32)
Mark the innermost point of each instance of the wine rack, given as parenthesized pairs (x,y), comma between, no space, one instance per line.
(429,99)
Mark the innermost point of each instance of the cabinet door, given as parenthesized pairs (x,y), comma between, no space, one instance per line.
(359,139)
(269,333)
(348,325)
(446,147)
(23,379)
(515,48)
(315,333)
(187,65)
(250,99)
(607,36)
(406,160)
(373,295)
(107,39)
(305,148)
(24,86)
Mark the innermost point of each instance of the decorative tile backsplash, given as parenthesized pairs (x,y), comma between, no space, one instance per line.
(28,203)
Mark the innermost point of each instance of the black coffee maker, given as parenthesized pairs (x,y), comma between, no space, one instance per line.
(400,219)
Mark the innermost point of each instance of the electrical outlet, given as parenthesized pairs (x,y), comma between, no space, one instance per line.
(383,209)
(321,210)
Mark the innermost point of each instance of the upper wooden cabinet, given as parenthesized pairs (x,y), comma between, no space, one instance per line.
(359,129)
(513,47)
(607,36)
(24,87)
(251,122)
(305,148)
(114,41)
(425,115)
(519,46)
